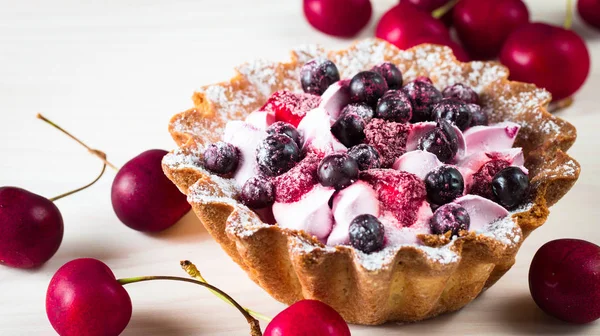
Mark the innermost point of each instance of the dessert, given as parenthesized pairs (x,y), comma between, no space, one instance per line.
(395,213)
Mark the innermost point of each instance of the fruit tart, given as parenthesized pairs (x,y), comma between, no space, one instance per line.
(393,185)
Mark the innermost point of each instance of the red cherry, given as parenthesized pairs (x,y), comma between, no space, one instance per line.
(308,317)
(85,299)
(457,49)
(342,18)
(550,57)
(430,6)
(564,280)
(589,10)
(144,198)
(31,228)
(405,26)
(483,25)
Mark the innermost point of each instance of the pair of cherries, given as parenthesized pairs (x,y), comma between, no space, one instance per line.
(31,226)
(85,299)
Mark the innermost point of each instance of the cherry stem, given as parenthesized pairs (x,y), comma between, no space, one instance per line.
(439,12)
(252,322)
(95,152)
(193,271)
(560,105)
(55,198)
(569,17)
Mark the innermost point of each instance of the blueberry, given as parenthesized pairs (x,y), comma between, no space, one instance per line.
(453,110)
(281,127)
(367,87)
(478,115)
(444,185)
(364,111)
(258,192)
(423,95)
(221,158)
(317,75)
(391,74)
(441,141)
(337,170)
(366,233)
(462,92)
(277,154)
(366,156)
(349,129)
(510,186)
(450,217)
(394,106)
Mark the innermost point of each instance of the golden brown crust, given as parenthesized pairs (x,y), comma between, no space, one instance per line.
(413,283)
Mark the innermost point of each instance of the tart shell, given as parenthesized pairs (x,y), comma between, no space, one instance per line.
(408,283)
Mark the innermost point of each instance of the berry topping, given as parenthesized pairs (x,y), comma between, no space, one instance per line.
(277,154)
(364,111)
(462,92)
(317,74)
(452,110)
(338,17)
(366,233)
(450,217)
(441,141)
(423,95)
(292,185)
(510,186)
(482,179)
(349,129)
(221,158)
(367,87)
(444,185)
(400,193)
(366,156)
(391,74)
(478,115)
(394,106)
(290,107)
(284,128)
(258,192)
(388,138)
(337,170)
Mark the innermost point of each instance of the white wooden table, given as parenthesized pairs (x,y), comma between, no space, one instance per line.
(113,73)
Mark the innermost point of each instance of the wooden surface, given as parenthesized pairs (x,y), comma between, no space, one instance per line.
(113,72)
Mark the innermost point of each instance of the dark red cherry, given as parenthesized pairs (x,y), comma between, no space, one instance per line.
(432,5)
(367,87)
(317,74)
(144,198)
(337,170)
(589,10)
(31,228)
(84,298)
(342,18)
(277,154)
(564,280)
(450,217)
(308,317)
(483,25)
(391,74)
(405,26)
(548,56)
(258,192)
(366,233)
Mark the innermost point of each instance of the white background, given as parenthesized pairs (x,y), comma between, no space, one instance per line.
(114,72)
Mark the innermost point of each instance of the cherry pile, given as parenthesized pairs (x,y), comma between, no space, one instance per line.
(85,299)
(552,57)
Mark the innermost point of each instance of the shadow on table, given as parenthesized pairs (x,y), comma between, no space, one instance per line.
(521,315)
(189,228)
(147,323)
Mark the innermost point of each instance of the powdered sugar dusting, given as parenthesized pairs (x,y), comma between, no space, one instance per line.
(262,74)
(504,230)
(362,56)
